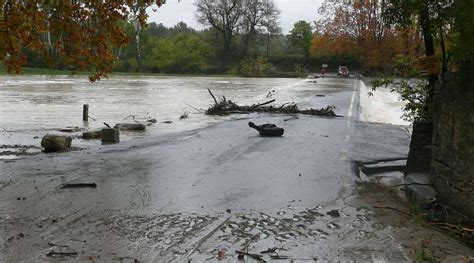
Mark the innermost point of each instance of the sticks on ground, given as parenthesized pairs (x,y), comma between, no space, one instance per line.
(226,107)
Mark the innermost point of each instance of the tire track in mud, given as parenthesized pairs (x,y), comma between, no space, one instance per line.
(306,235)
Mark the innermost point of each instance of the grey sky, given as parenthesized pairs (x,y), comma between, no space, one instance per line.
(291,11)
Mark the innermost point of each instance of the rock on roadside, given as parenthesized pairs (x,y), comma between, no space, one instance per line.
(90,135)
(56,143)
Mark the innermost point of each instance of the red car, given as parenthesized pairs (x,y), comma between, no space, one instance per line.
(343,71)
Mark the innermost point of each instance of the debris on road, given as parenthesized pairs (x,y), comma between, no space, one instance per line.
(55,254)
(334,213)
(55,245)
(152,121)
(80,185)
(254,256)
(56,143)
(185,115)
(226,107)
(292,118)
(220,255)
(279,257)
(269,251)
(167,122)
(268,129)
(130,116)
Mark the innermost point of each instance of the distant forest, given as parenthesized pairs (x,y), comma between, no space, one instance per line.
(184,50)
(240,37)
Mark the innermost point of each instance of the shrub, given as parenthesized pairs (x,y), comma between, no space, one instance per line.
(256,67)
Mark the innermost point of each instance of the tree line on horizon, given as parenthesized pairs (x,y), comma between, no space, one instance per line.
(242,36)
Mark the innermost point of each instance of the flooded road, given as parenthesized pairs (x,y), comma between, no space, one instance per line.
(31,106)
(201,188)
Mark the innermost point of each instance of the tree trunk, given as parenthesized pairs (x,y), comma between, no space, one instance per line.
(226,54)
(247,41)
(137,43)
(429,47)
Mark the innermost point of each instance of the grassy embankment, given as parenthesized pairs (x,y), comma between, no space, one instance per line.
(46,71)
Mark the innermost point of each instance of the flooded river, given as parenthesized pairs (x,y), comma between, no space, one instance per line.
(31,106)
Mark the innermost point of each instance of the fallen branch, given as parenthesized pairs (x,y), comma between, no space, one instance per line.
(262,104)
(55,245)
(61,254)
(291,118)
(210,92)
(79,185)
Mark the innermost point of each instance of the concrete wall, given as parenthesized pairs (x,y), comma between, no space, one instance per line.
(452,165)
(419,157)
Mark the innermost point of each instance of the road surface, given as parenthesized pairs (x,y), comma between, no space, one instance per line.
(198,194)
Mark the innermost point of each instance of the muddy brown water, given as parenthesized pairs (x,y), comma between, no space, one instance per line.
(31,106)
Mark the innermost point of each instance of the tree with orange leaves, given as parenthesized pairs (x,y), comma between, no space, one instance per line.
(83,34)
(358,30)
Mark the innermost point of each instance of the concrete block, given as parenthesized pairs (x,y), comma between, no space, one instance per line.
(110,135)
(90,135)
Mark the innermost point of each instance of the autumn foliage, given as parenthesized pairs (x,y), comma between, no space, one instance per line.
(358,30)
(79,35)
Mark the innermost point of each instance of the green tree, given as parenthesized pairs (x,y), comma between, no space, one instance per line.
(224,16)
(186,53)
(300,37)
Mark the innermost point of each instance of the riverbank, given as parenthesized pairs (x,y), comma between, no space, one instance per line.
(57,72)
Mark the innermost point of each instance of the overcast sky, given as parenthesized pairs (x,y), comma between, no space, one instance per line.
(291,11)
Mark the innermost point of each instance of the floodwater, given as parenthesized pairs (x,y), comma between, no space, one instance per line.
(31,106)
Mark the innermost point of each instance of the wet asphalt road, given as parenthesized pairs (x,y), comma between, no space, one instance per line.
(188,195)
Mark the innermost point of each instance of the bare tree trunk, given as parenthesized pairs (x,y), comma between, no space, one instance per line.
(137,43)
(429,47)
(247,40)
(268,44)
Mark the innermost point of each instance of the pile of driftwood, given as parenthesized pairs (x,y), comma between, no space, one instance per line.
(226,107)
